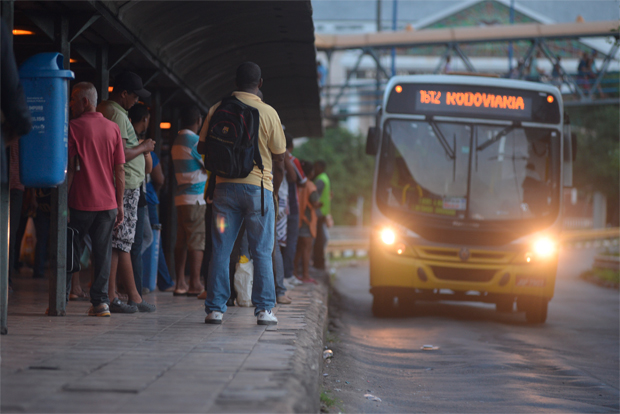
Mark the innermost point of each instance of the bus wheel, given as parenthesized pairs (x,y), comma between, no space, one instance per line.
(382,305)
(504,305)
(536,310)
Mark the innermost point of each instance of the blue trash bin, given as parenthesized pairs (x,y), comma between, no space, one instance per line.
(150,259)
(43,152)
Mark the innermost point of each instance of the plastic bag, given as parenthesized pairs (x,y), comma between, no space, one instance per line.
(244,278)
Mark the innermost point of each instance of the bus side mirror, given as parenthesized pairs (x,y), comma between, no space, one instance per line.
(372,140)
(568,158)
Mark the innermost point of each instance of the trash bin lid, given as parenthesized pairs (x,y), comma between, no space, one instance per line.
(45,65)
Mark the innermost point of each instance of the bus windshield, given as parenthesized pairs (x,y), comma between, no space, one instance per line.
(469,172)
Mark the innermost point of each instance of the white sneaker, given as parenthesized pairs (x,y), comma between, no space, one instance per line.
(214,317)
(265,317)
(293,281)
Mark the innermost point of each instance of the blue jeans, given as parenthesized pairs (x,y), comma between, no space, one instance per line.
(292,232)
(99,225)
(164,280)
(136,249)
(232,205)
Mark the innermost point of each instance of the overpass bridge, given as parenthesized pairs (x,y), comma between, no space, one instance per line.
(577,91)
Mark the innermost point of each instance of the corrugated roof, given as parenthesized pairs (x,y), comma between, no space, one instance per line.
(203,42)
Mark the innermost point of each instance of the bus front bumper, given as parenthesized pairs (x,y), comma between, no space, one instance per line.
(464,280)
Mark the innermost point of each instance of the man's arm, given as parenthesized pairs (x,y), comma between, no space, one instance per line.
(291,175)
(320,186)
(119,174)
(157,177)
(278,171)
(148,163)
(130,153)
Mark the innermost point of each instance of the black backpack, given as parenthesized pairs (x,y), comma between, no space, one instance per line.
(232,141)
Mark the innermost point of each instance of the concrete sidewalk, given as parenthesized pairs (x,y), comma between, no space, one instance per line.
(168,361)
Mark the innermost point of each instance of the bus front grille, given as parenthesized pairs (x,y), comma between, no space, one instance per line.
(463,275)
(477,256)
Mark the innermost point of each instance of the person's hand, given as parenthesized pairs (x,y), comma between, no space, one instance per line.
(120,214)
(149,145)
(329,221)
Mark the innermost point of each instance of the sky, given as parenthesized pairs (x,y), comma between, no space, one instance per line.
(560,11)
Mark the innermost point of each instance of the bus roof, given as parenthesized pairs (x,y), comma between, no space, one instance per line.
(474,80)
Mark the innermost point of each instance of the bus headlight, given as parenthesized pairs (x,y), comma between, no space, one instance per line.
(388,236)
(544,247)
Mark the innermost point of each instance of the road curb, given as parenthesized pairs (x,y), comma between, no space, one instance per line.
(304,384)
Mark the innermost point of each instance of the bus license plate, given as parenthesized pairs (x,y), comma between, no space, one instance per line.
(524,281)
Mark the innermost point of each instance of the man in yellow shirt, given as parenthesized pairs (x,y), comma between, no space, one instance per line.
(238,200)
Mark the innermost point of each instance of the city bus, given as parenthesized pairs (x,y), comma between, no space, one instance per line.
(467,194)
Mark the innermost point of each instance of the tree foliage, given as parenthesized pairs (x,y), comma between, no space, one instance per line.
(597,166)
(348,167)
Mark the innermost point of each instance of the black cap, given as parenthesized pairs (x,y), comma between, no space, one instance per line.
(129,81)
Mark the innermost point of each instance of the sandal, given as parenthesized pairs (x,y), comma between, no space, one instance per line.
(179,293)
(82,296)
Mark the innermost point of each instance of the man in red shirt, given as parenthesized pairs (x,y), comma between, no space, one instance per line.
(96,163)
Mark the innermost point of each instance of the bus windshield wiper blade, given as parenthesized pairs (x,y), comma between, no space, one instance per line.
(496,138)
(442,140)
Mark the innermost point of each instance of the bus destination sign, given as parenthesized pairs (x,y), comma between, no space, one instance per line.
(473,101)
(476,99)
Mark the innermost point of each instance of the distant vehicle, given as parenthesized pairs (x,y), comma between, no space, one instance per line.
(467,192)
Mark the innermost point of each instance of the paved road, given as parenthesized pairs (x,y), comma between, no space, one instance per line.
(486,362)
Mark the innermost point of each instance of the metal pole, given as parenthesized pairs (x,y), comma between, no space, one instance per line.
(394,20)
(512,20)
(58,229)
(7,15)
(377,75)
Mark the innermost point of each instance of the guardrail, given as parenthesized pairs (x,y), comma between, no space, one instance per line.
(607,262)
(338,247)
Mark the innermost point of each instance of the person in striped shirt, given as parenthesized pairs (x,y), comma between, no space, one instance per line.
(191,178)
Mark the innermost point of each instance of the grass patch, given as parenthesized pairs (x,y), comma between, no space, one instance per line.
(327,399)
(602,274)
(331,337)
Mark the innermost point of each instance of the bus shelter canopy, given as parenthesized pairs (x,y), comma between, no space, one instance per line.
(195,47)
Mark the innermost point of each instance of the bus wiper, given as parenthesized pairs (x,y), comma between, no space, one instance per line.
(442,140)
(497,137)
